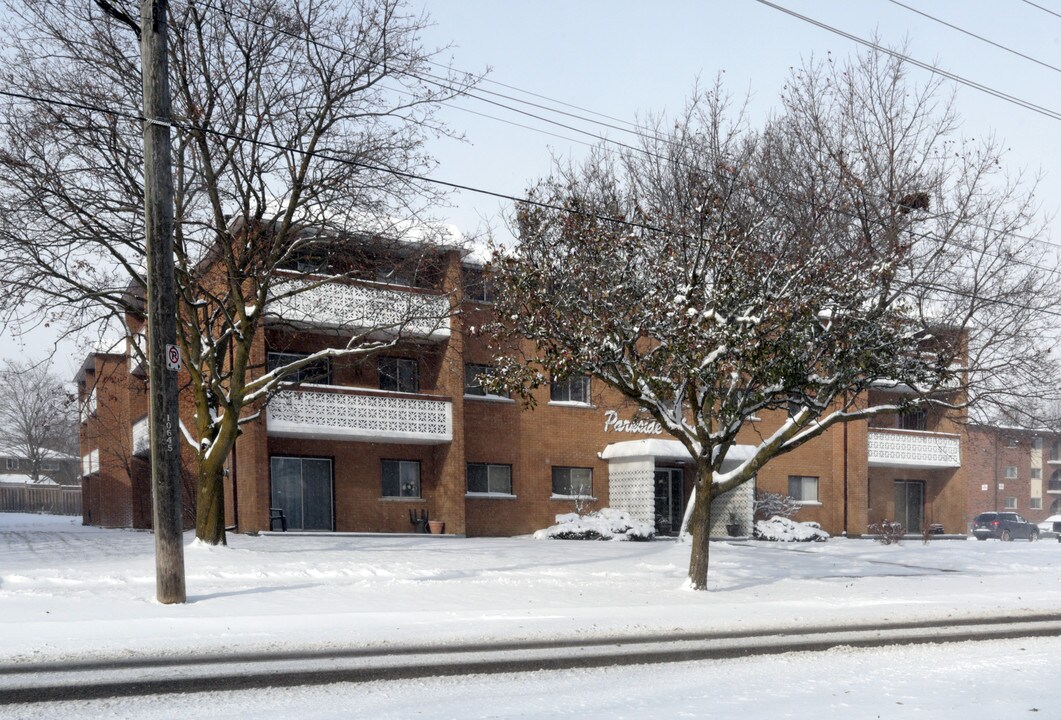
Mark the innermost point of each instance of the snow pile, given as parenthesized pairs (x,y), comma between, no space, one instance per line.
(604,524)
(781,529)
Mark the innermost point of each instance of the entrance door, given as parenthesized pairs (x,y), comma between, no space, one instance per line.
(910,504)
(302,488)
(668,483)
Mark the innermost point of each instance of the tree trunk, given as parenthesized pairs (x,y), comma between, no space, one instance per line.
(701,531)
(210,503)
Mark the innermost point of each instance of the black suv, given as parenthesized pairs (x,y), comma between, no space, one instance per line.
(1004,526)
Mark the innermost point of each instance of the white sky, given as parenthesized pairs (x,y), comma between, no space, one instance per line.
(626,59)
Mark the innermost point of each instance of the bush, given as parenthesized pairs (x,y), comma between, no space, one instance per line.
(887,531)
(770,505)
(605,524)
(781,529)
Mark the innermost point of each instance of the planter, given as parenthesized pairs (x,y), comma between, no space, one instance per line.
(733,530)
(436,527)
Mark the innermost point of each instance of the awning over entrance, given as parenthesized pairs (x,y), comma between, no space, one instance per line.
(671,450)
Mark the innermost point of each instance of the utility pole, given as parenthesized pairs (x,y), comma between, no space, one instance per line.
(161,306)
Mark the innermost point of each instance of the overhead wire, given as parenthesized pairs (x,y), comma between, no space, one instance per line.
(322,154)
(1027,104)
(1044,9)
(1000,46)
(446,84)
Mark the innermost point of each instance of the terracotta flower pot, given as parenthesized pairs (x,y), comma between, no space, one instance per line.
(437,527)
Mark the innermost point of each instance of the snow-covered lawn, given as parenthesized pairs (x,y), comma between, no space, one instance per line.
(67,590)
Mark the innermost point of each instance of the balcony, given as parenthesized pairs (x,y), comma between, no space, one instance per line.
(384,310)
(1053,486)
(141,438)
(338,413)
(913,449)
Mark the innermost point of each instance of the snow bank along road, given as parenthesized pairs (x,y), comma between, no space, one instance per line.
(90,680)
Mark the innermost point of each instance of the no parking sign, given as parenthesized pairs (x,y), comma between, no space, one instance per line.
(173,358)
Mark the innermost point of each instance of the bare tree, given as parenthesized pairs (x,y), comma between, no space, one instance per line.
(36,414)
(299,130)
(721,274)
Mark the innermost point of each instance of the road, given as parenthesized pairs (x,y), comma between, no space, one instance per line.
(122,677)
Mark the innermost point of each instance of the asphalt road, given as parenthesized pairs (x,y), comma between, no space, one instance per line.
(125,677)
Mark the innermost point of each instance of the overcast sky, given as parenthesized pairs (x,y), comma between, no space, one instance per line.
(627,59)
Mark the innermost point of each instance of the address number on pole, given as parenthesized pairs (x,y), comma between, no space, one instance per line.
(173,358)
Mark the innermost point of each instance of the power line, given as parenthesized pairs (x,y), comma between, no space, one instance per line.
(1044,9)
(1026,104)
(482,191)
(1000,46)
(445,83)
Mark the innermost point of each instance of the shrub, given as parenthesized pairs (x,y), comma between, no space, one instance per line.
(604,524)
(782,529)
(888,532)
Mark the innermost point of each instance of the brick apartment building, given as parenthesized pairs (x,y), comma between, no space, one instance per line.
(1013,469)
(357,444)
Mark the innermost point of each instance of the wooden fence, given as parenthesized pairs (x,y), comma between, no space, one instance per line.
(48,499)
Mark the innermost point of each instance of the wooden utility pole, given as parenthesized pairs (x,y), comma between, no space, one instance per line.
(161,306)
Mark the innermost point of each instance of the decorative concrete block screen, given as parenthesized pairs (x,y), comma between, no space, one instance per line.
(738,503)
(630,488)
(352,306)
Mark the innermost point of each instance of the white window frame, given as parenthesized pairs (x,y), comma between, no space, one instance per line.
(804,482)
(1036,503)
(495,478)
(11,463)
(470,388)
(1010,502)
(560,471)
(402,494)
(561,392)
(1011,472)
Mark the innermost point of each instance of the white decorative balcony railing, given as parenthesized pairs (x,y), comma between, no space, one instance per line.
(913,448)
(358,307)
(347,414)
(141,437)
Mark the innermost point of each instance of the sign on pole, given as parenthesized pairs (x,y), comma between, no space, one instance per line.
(173,358)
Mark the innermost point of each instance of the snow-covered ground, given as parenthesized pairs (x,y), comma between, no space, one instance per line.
(68,592)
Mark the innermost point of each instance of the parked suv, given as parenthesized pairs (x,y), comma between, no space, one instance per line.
(1004,526)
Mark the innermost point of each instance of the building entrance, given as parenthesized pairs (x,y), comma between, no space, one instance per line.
(668,498)
(302,488)
(910,504)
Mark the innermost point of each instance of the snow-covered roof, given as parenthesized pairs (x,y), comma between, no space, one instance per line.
(669,450)
(20,479)
(14,452)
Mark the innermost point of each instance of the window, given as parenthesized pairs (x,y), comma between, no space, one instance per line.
(1037,474)
(1055,451)
(473,381)
(572,481)
(574,390)
(396,275)
(1010,441)
(1037,504)
(1054,483)
(399,374)
(11,463)
(401,478)
(493,479)
(477,286)
(1011,472)
(803,489)
(318,371)
(1037,443)
(1011,503)
(1055,507)
(914,420)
